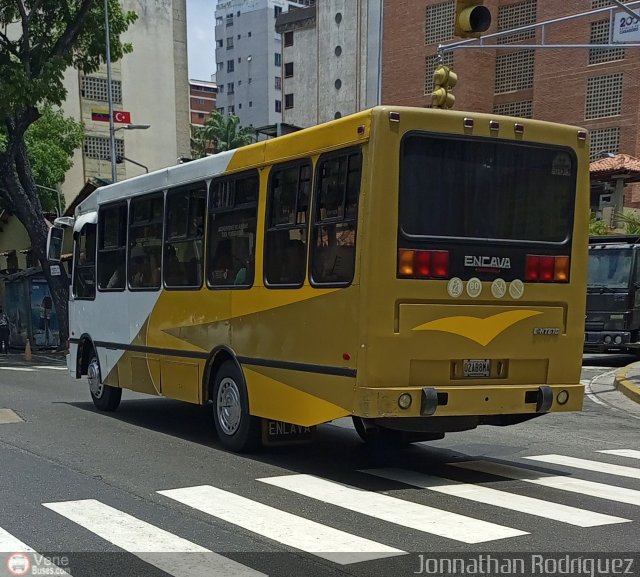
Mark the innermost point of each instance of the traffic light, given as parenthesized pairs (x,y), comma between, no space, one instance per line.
(444,79)
(472,18)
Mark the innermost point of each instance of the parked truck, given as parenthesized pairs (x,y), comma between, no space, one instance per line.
(613,295)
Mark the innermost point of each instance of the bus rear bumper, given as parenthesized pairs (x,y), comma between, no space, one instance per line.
(468,400)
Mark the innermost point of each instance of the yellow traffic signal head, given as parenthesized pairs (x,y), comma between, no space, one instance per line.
(472,18)
(444,79)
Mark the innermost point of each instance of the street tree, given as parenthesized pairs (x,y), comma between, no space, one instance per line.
(221,132)
(39,40)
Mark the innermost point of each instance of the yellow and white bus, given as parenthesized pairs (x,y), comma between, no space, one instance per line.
(420,270)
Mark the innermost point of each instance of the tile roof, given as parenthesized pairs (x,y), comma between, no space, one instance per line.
(625,164)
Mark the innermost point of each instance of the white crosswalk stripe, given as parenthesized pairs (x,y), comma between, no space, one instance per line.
(10,544)
(560,482)
(503,499)
(164,550)
(393,510)
(586,464)
(286,528)
(630,453)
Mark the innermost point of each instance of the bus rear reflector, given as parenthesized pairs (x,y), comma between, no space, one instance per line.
(423,263)
(545,268)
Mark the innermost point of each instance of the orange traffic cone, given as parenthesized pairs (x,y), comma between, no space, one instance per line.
(27,351)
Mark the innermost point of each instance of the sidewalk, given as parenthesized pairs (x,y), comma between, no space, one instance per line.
(627,381)
(16,357)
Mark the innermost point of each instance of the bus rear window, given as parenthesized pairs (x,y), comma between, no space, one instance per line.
(485,189)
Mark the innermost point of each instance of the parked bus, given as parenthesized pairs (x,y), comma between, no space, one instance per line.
(420,270)
(613,298)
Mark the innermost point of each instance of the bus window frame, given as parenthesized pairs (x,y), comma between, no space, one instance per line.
(244,174)
(567,242)
(203,267)
(297,162)
(76,267)
(101,208)
(159,193)
(349,151)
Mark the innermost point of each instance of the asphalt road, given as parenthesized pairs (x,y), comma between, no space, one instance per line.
(148,491)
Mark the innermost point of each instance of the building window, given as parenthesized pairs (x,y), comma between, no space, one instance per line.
(221,110)
(288,101)
(218,20)
(440,22)
(219,66)
(249,34)
(278,105)
(338,18)
(240,106)
(230,66)
(232,109)
(200,115)
(431,63)
(232,231)
(515,16)
(239,36)
(229,20)
(220,43)
(250,103)
(230,88)
(600,35)
(278,84)
(239,82)
(523,109)
(338,84)
(99,147)
(288,38)
(184,236)
(338,51)
(604,96)
(229,42)
(277,10)
(221,89)
(277,59)
(239,59)
(604,140)
(95,88)
(146,215)
(514,71)
(288,69)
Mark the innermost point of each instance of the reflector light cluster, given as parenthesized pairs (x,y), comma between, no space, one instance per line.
(423,263)
(545,268)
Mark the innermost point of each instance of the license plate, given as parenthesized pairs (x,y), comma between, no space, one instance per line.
(476,368)
(277,432)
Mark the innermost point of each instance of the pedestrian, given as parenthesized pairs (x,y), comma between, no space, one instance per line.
(4,332)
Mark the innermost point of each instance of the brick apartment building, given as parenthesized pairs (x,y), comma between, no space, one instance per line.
(594,88)
(202,100)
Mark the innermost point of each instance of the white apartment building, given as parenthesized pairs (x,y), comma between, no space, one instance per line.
(249,59)
(150,84)
(331,60)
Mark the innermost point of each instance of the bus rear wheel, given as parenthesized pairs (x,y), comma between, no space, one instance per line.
(237,430)
(105,397)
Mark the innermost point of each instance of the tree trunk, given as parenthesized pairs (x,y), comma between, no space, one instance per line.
(18,178)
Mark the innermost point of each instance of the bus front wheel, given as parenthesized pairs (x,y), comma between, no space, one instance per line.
(237,430)
(105,397)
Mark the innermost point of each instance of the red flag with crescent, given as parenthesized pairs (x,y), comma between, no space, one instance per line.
(122,117)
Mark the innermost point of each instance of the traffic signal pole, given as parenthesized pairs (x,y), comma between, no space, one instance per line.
(480,42)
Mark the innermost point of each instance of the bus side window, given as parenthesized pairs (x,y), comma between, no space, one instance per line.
(112,245)
(333,249)
(233,216)
(84,263)
(184,236)
(146,215)
(285,255)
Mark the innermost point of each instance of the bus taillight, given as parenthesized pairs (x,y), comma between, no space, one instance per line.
(423,263)
(545,268)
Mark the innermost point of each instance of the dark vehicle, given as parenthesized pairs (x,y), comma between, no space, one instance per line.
(613,295)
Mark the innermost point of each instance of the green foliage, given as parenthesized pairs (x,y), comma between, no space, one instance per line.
(631,222)
(598,227)
(220,132)
(48,38)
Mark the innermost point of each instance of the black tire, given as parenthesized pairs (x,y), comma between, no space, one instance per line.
(105,397)
(237,430)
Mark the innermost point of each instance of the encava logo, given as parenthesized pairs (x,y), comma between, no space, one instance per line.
(487,261)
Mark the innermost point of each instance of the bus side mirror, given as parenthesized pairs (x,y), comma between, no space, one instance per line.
(54,244)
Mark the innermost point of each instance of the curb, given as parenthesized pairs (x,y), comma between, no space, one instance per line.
(626,386)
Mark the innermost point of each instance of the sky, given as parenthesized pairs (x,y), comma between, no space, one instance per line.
(201,42)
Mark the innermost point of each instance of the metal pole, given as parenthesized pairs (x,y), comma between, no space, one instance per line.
(112,129)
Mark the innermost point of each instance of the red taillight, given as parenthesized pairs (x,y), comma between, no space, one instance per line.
(545,268)
(423,263)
